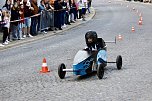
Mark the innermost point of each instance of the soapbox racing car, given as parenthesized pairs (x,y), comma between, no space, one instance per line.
(86,62)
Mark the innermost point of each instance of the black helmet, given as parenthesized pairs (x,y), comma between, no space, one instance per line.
(91,38)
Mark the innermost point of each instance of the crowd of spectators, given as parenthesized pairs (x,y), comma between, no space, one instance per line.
(28,18)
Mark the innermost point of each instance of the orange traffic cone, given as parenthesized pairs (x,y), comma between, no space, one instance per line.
(44,67)
(133,29)
(119,37)
(140,22)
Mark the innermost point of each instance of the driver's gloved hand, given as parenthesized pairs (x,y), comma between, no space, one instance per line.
(88,49)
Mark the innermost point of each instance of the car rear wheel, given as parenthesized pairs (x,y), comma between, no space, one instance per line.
(61,73)
(100,71)
(119,62)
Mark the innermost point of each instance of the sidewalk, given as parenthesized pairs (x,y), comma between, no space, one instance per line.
(132,1)
(17,43)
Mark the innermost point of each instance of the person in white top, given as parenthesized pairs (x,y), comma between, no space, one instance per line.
(83,5)
(6,26)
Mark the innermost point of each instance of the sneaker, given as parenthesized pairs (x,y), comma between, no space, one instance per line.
(5,43)
(24,36)
(1,45)
(64,26)
(44,32)
(30,36)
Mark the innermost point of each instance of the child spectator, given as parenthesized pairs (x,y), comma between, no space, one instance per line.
(21,23)
(6,19)
(7,7)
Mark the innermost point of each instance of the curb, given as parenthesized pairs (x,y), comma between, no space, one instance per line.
(138,2)
(50,33)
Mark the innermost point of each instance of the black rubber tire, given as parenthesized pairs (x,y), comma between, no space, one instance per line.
(100,71)
(119,62)
(61,73)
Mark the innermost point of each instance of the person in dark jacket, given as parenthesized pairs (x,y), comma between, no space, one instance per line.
(34,20)
(57,14)
(64,6)
(15,16)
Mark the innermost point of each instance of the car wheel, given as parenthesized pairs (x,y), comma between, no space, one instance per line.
(61,73)
(119,62)
(100,71)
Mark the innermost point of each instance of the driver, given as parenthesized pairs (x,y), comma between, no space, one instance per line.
(93,42)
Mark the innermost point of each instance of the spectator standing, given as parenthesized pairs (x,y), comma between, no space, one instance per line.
(27,13)
(22,21)
(42,23)
(6,19)
(57,14)
(89,5)
(34,19)
(67,15)
(71,11)
(15,21)
(7,7)
(64,4)
(75,9)
(50,16)
(84,7)
(80,5)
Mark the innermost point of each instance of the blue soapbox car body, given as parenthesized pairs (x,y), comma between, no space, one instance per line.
(86,62)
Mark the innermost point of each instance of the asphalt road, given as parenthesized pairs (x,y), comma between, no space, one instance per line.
(20,79)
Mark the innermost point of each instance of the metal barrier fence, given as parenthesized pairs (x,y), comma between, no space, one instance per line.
(46,20)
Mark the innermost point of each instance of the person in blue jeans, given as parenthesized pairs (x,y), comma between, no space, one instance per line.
(42,17)
(34,20)
(15,24)
(27,13)
(64,4)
